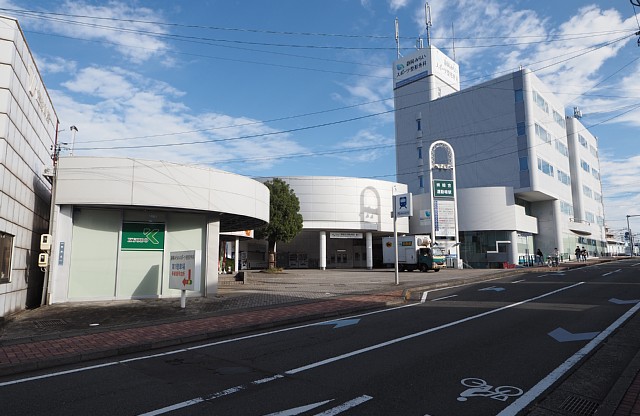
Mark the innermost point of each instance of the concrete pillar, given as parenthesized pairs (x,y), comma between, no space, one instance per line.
(211,258)
(369,246)
(513,248)
(323,250)
(237,255)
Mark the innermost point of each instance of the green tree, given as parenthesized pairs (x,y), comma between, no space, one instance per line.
(285,220)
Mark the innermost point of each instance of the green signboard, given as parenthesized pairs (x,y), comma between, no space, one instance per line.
(142,236)
(443,188)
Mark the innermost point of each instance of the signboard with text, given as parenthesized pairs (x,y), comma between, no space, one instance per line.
(353,236)
(142,236)
(185,270)
(444,218)
(443,188)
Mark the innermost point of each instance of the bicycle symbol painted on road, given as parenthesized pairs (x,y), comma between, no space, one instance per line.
(479,388)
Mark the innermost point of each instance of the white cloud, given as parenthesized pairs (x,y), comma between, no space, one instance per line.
(372,92)
(54,65)
(368,146)
(621,187)
(119,113)
(395,5)
(116,24)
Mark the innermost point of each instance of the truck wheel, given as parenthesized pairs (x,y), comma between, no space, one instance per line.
(436,270)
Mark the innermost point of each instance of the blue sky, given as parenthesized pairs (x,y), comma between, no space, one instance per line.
(289,87)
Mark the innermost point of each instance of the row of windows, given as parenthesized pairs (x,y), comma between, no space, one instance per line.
(564,178)
(566,208)
(583,141)
(559,118)
(540,102)
(545,167)
(543,134)
(589,217)
(544,106)
(591,193)
(562,148)
(585,166)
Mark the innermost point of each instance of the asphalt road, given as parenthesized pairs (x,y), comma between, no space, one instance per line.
(485,349)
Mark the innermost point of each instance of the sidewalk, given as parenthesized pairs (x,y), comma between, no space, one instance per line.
(71,333)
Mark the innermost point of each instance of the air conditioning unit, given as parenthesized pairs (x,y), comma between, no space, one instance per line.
(48,172)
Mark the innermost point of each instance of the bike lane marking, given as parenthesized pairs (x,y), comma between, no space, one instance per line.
(524,400)
(354,353)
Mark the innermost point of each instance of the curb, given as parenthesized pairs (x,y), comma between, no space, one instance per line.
(148,345)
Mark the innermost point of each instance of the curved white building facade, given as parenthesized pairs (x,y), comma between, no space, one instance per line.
(344,222)
(116,221)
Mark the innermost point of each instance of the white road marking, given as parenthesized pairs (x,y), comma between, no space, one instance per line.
(356,352)
(518,281)
(299,410)
(444,297)
(615,271)
(524,400)
(181,350)
(346,406)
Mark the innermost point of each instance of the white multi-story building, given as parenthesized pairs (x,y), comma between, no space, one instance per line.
(28,126)
(527,176)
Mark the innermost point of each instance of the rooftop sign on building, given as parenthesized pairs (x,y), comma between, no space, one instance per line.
(425,62)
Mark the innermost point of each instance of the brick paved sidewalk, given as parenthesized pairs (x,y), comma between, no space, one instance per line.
(26,355)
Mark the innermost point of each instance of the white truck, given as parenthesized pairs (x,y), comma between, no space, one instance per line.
(414,252)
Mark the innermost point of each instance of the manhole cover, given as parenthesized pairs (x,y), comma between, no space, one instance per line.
(51,323)
(578,406)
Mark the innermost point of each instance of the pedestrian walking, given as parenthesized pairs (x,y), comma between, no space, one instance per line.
(584,254)
(578,253)
(556,257)
(539,258)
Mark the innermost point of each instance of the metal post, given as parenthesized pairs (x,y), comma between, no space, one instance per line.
(395,240)
(629,234)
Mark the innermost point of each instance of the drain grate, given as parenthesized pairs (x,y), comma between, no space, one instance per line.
(51,323)
(578,406)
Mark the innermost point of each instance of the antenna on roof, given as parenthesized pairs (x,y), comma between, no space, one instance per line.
(427,18)
(397,38)
(453,41)
(577,113)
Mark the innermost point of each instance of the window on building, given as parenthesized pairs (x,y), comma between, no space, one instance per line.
(522,129)
(589,217)
(593,151)
(595,173)
(559,118)
(524,164)
(519,96)
(600,220)
(597,196)
(583,141)
(545,167)
(566,208)
(421,181)
(562,148)
(543,134)
(419,123)
(585,166)
(541,102)
(6,248)
(587,192)
(564,178)
(419,152)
